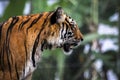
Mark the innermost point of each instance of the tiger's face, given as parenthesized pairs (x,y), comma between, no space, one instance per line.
(64,31)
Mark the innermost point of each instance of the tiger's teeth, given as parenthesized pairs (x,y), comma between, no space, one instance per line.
(71,46)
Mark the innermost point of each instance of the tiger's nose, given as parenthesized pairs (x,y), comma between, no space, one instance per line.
(81,39)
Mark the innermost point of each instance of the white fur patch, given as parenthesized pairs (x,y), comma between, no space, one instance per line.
(29,68)
(68,53)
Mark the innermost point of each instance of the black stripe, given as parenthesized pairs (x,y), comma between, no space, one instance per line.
(7,47)
(25,50)
(1,61)
(14,21)
(2,58)
(37,40)
(66,31)
(34,50)
(69,24)
(17,74)
(1,25)
(2,51)
(43,44)
(62,31)
(23,23)
(67,21)
(34,21)
(9,65)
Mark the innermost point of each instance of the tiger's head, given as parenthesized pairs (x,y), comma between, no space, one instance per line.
(64,32)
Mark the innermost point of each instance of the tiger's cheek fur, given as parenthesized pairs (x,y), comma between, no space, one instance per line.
(54,36)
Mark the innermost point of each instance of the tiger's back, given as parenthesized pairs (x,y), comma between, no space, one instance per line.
(23,38)
(17,30)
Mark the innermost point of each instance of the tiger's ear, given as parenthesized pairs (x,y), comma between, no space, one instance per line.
(58,16)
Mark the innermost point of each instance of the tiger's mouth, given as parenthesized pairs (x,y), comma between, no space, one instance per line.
(67,47)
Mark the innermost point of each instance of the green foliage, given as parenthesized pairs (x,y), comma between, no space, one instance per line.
(89,37)
(39,6)
(14,8)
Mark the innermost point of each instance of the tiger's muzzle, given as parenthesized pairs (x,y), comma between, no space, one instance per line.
(70,45)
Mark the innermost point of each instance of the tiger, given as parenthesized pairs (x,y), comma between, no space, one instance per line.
(24,38)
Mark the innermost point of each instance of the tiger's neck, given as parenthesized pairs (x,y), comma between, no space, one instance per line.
(34,58)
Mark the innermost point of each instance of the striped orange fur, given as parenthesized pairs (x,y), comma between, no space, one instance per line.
(24,38)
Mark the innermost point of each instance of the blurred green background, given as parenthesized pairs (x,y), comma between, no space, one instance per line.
(92,60)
